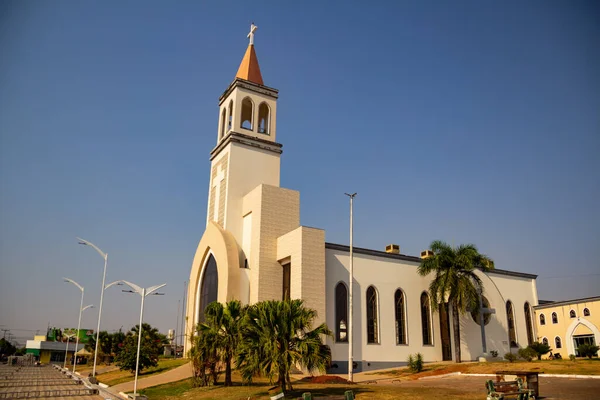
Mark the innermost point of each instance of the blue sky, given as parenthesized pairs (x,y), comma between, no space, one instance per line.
(470,122)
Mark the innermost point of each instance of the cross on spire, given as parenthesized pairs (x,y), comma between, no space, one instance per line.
(251,34)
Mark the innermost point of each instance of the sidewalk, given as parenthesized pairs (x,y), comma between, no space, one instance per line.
(176,374)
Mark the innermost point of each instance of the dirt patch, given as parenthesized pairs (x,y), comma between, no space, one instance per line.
(327,379)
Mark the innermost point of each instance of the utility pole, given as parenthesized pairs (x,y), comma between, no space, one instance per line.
(174,340)
(350,286)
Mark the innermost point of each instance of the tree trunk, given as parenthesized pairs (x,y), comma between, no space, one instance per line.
(456,329)
(228,371)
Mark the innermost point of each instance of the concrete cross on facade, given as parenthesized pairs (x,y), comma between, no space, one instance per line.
(217,185)
(251,34)
(482,311)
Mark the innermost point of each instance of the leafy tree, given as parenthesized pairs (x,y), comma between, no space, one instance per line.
(151,346)
(224,322)
(540,349)
(277,335)
(455,279)
(6,348)
(587,350)
(117,342)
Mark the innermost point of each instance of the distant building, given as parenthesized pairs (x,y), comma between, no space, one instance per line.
(564,325)
(50,348)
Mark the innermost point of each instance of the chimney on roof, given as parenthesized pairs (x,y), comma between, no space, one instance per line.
(392,248)
(426,254)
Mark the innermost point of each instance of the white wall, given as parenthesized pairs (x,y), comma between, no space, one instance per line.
(387,275)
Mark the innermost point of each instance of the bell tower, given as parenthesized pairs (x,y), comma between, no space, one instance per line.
(246,154)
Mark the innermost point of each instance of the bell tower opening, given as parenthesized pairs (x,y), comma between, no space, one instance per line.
(247,113)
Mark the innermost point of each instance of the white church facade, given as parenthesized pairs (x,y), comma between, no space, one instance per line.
(254,249)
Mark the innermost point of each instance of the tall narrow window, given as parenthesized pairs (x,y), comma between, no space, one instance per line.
(586,312)
(247,113)
(263,118)
(222,132)
(572,314)
(341,313)
(209,286)
(372,326)
(542,319)
(557,342)
(545,341)
(510,317)
(528,323)
(400,317)
(230,117)
(287,275)
(554,318)
(426,319)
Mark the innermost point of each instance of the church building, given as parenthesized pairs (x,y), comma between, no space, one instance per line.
(254,248)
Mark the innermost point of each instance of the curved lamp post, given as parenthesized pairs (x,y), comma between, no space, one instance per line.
(67,350)
(142,292)
(105,256)
(81,309)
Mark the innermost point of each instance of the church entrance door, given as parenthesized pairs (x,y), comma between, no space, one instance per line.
(209,286)
(445,332)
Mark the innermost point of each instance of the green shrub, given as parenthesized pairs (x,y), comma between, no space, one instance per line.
(415,363)
(572,357)
(587,350)
(510,357)
(527,353)
(494,353)
(540,349)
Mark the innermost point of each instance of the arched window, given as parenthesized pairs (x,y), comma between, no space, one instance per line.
(400,317)
(208,287)
(230,118)
(554,318)
(426,319)
(222,132)
(557,342)
(263,118)
(542,319)
(510,317)
(247,113)
(372,326)
(545,341)
(586,312)
(528,323)
(341,313)
(572,314)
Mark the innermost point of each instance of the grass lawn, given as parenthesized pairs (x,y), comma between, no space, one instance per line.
(578,367)
(115,377)
(259,390)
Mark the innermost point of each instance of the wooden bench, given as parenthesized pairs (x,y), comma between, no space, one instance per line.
(502,390)
(348,395)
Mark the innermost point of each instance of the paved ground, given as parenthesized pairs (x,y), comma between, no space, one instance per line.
(176,374)
(40,381)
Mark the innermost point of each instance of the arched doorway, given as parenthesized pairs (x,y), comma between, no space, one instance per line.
(209,286)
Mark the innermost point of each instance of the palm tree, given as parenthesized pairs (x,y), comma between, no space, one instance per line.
(455,280)
(277,335)
(224,322)
(204,356)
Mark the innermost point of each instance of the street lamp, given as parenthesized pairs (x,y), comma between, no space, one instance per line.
(350,285)
(67,350)
(81,309)
(142,292)
(105,256)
